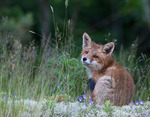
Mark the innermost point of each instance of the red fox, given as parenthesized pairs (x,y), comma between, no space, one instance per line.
(108,80)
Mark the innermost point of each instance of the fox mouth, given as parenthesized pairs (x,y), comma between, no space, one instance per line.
(85,63)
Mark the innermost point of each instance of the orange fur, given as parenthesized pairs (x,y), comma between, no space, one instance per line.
(113,82)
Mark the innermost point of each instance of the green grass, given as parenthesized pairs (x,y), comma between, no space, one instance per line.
(29,75)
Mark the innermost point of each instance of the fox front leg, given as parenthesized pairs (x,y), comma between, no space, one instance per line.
(90,87)
(91,84)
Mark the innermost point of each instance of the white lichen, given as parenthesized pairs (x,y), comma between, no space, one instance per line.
(73,109)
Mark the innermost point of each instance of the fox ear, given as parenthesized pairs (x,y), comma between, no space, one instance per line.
(109,48)
(86,40)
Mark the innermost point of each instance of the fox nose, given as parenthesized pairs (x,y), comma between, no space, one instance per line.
(84,59)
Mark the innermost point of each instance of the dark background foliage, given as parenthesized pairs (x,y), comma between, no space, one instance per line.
(121,21)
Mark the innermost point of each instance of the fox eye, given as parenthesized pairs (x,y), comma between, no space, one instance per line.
(86,52)
(95,56)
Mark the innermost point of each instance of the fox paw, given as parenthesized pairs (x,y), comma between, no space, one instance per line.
(108,81)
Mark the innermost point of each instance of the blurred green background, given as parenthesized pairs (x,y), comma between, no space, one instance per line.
(121,21)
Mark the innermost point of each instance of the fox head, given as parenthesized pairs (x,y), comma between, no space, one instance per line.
(94,56)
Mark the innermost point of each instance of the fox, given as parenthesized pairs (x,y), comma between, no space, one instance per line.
(107,79)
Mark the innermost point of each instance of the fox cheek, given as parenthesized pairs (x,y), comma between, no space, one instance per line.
(96,65)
